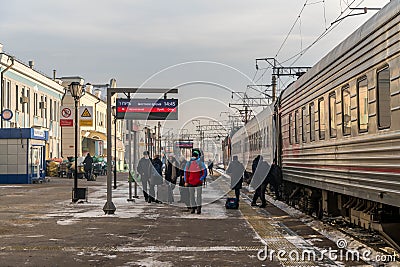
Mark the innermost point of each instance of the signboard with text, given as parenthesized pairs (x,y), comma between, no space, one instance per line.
(147,109)
(85,116)
(67,117)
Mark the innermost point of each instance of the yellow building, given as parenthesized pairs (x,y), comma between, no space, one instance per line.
(92,139)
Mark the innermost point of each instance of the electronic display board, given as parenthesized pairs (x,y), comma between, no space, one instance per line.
(147,109)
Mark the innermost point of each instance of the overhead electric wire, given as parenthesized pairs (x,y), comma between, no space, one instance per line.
(290,31)
(323,34)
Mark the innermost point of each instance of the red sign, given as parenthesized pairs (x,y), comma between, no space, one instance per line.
(64,122)
(66,119)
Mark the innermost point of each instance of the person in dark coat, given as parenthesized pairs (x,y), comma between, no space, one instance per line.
(88,165)
(144,169)
(210,165)
(184,191)
(171,176)
(236,171)
(157,165)
(260,180)
(276,179)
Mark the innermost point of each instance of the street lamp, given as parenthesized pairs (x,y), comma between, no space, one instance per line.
(114,112)
(75,89)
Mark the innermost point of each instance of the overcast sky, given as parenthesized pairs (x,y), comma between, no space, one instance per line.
(171,43)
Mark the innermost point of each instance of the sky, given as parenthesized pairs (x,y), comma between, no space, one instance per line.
(205,48)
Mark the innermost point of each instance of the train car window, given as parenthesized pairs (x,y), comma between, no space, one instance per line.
(362,102)
(312,122)
(303,125)
(346,111)
(321,118)
(332,115)
(383,98)
(296,125)
(290,129)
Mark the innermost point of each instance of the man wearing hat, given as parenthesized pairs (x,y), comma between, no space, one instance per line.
(144,169)
(195,173)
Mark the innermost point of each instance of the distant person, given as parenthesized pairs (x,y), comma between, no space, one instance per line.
(236,170)
(156,178)
(87,166)
(259,181)
(144,169)
(210,167)
(184,191)
(195,173)
(171,175)
(276,178)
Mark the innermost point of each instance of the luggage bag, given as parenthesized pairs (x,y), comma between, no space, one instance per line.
(231,203)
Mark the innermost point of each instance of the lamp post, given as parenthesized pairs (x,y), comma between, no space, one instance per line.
(114,111)
(75,89)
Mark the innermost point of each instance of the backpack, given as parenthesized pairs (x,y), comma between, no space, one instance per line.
(194,173)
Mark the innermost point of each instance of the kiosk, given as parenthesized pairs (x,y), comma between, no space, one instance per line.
(22,155)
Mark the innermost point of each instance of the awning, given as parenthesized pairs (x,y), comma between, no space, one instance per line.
(95,135)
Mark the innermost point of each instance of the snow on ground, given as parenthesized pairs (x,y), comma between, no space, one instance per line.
(71,213)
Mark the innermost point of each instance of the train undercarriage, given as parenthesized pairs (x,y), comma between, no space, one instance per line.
(345,211)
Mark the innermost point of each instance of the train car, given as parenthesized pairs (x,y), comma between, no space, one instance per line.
(340,129)
(255,138)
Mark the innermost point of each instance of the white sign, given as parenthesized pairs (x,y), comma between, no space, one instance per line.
(38,133)
(67,116)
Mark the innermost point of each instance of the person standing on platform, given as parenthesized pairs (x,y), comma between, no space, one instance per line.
(276,178)
(184,191)
(144,169)
(87,166)
(210,167)
(156,178)
(171,175)
(260,180)
(236,171)
(195,173)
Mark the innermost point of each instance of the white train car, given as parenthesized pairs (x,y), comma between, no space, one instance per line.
(255,138)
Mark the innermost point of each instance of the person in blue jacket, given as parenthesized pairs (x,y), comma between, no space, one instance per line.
(195,173)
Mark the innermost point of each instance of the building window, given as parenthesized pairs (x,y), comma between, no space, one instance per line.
(41,107)
(321,118)
(383,98)
(51,109)
(303,125)
(296,124)
(55,110)
(362,93)
(290,128)
(45,110)
(8,96)
(16,97)
(346,111)
(22,95)
(332,115)
(35,104)
(312,122)
(28,105)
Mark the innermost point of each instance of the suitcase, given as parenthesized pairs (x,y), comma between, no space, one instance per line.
(162,192)
(231,203)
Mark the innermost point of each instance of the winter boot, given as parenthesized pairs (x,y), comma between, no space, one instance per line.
(199,210)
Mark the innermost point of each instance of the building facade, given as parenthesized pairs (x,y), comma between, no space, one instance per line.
(33,98)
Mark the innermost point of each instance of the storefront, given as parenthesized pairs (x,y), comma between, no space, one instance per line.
(22,155)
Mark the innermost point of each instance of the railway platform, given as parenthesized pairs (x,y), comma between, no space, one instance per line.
(39,226)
